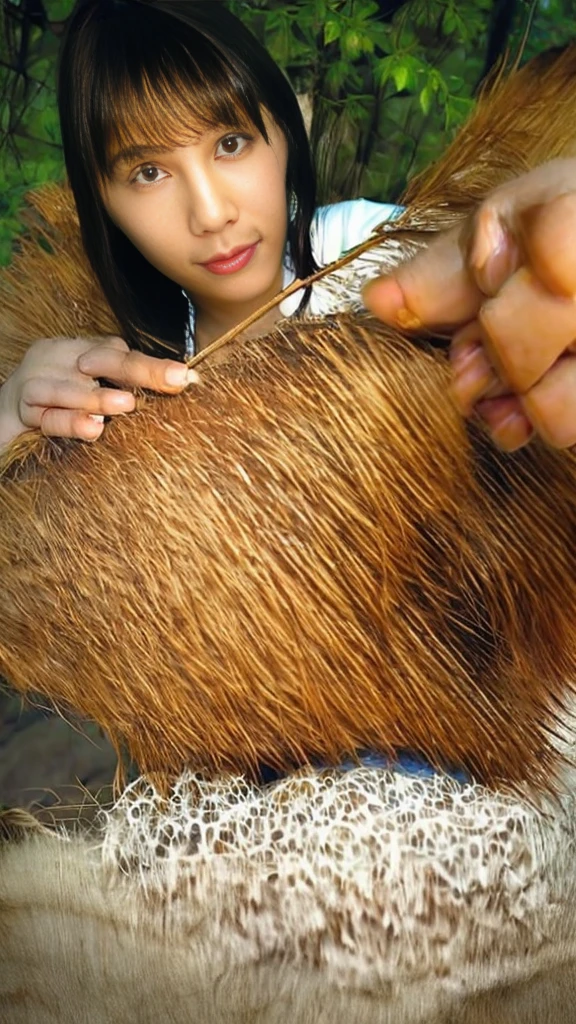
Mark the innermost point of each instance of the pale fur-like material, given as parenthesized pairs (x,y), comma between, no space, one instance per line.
(366,897)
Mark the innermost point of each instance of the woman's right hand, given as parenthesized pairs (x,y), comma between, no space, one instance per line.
(55,388)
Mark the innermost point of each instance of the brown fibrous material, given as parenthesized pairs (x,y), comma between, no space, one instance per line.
(306,555)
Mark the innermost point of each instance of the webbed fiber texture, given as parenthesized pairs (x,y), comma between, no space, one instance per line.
(305,555)
(365,897)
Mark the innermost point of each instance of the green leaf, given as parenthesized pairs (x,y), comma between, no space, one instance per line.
(336,75)
(58,10)
(405,71)
(279,44)
(400,74)
(332,31)
(355,110)
(317,10)
(383,70)
(425,98)
(456,110)
(366,10)
(438,84)
(381,36)
(449,22)
(351,44)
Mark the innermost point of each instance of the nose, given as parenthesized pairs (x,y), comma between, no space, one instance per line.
(210,203)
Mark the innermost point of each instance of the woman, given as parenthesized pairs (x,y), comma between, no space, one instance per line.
(187,243)
(190,167)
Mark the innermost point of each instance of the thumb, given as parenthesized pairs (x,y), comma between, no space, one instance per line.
(434,289)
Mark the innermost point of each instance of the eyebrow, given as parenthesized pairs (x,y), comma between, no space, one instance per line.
(130,153)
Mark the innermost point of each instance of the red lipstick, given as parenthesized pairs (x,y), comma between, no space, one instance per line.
(232,261)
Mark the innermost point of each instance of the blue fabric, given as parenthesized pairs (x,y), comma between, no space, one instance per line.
(407,763)
(404,761)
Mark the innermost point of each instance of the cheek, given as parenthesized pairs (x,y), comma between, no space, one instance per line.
(150,247)
(143,223)
(272,200)
(264,188)
(149,236)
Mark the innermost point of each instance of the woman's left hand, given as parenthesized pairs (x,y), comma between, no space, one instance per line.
(505,286)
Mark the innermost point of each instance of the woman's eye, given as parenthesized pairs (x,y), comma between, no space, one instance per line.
(232,145)
(148,175)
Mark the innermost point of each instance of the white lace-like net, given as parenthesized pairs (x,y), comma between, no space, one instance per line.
(377,875)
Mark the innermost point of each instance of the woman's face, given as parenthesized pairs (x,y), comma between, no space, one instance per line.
(210,215)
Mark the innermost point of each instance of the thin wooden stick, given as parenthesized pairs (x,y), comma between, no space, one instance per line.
(387,227)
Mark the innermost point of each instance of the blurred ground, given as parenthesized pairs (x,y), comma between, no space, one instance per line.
(57,770)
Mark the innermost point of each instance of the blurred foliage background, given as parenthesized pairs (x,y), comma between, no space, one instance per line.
(384,83)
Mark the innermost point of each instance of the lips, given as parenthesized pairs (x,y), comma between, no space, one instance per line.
(233,261)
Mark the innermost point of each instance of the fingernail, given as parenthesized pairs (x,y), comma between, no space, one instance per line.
(472,381)
(180,376)
(97,419)
(499,268)
(122,401)
(488,237)
(383,295)
(461,355)
(408,320)
(509,426)
(513,433)
(175,376)
(494,255)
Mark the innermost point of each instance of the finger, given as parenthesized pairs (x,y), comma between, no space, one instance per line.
(71,423)
(474,376)
(538,210)
(551,404)
(539,187)
(525,329)
(136,369)
(493,252)
(547,235)
(509,426)
(434,289)
(57,394)
(113,341)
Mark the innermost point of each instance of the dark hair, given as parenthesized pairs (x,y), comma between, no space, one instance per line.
(165,67)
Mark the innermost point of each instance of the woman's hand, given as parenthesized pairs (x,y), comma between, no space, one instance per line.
(507,279)
(55,388)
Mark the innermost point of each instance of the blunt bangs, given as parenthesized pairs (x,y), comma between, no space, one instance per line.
(160,84)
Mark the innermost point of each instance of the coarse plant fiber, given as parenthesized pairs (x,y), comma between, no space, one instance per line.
(305,555)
